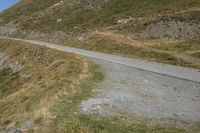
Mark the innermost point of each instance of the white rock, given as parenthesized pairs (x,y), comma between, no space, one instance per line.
(59,20)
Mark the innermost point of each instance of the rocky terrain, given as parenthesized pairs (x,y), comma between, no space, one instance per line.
(172,28)
(54,17)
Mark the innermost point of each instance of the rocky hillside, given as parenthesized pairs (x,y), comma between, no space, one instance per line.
(34,18)
(74,22)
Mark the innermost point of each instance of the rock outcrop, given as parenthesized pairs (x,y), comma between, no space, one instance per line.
(172,28)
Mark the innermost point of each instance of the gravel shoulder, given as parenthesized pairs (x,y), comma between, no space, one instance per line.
(133,92)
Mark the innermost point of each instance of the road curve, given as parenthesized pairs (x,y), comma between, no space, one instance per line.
(169,70)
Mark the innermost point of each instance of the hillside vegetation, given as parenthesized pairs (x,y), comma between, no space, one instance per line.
(34,80)
(180,53)
(81,15)
(146,29)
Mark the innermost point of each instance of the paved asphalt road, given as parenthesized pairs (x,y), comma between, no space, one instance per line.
(169,70)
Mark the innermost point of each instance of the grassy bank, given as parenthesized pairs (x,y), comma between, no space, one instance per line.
(45,78)
(178,53)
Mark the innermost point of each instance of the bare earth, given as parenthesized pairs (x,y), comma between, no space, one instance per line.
(141,89)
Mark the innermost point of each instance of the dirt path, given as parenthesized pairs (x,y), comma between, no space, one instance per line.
(187,58)
(185,11)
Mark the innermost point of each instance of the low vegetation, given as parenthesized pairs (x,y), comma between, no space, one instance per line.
(20,10)
(51,95)
(161,50)
(78,16)
(46,78)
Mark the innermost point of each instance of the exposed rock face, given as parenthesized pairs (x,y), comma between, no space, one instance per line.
(15,67)
(11,29)
(14,30)
(172,28)
(56,36)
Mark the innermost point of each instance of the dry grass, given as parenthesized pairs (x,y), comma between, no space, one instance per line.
(164,50)
(37,14)
(54,74)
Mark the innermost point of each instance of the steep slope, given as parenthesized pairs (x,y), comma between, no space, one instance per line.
(24,8)
(34,80)
(73,23)
(81,15)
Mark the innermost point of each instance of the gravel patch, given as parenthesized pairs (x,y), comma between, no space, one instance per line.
(139,93)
